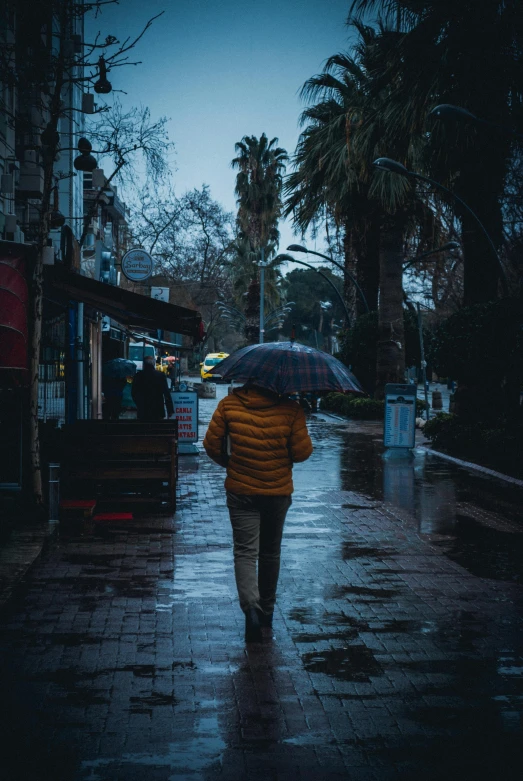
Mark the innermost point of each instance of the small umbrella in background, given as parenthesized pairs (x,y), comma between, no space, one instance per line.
(119,368)
(287,367)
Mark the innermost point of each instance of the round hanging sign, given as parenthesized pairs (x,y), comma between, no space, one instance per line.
(137,265)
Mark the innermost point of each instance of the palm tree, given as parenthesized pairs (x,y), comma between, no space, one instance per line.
(346,132)
(326,180)
(467,54)
(261,165)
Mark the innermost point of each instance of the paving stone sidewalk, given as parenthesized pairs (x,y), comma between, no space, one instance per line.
(122,653)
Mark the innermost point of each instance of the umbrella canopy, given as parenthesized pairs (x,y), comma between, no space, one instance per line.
(119,368)
(287,367)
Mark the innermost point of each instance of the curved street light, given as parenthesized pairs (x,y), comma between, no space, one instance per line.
(393,167)
(448,111)
(444,247)
(284,257)
(299,248)
(279,313)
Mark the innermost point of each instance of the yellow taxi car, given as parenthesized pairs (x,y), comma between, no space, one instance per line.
(209,361)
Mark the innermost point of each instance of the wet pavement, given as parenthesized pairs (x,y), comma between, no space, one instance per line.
(396,653)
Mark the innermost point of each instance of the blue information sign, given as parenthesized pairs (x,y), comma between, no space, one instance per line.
(400,415)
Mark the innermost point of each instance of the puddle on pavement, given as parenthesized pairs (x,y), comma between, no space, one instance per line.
(453,506)
(352,550)
(198,577)
(185,759)
(353,663)
(339,592)
(486,552)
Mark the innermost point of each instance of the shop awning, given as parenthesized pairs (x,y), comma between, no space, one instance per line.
(160,342)
(128,308)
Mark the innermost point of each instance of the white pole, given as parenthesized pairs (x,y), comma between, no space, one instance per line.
(423,362)
(262,296)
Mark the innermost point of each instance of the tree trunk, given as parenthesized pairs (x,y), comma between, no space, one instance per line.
(390,365)
(350,293)
(49,156)
(366,242)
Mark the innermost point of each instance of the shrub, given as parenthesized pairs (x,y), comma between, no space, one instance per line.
(358,407)
(479,342)
(497,446)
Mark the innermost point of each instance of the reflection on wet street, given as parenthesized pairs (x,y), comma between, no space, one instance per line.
(396,652)
(478,518)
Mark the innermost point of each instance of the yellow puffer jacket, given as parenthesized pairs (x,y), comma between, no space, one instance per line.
(267,435)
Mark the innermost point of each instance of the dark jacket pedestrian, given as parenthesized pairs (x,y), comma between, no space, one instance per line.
(150,393)
(112,388)
(258,436)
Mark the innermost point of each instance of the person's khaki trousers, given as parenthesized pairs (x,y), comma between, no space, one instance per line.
(257,527)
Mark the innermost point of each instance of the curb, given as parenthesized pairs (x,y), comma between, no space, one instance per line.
(471,465)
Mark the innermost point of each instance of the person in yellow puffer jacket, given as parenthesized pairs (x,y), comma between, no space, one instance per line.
(257,435)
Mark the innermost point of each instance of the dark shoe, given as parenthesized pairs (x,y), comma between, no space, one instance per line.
(265,619)
(253,633)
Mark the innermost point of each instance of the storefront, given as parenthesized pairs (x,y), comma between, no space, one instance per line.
(15,260)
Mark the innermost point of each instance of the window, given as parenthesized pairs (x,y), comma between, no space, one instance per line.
(136,351)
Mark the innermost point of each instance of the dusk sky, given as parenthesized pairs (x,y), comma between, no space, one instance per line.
(222,69)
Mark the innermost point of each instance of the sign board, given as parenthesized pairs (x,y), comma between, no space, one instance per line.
(400,416)
(137,265)
(160,293)
(186,413)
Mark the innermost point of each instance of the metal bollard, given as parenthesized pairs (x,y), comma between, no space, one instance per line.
(208,390)
(54,491)
(437,402)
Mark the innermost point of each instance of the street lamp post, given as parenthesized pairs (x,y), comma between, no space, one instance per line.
(299,248)
(262,265)
(392,166)
(285,257)
(423,362)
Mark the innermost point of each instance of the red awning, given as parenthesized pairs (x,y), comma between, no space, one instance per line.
(13,306)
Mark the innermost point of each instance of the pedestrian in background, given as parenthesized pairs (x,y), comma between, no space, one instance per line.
(150,392)
(257,435)
(112,388)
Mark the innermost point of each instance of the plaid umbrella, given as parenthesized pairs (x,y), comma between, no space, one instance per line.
(119,368)
(287,367)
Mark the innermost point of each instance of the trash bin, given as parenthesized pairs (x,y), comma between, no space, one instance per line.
(437,402)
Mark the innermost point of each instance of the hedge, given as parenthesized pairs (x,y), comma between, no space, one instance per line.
(358,407)
(498,447)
